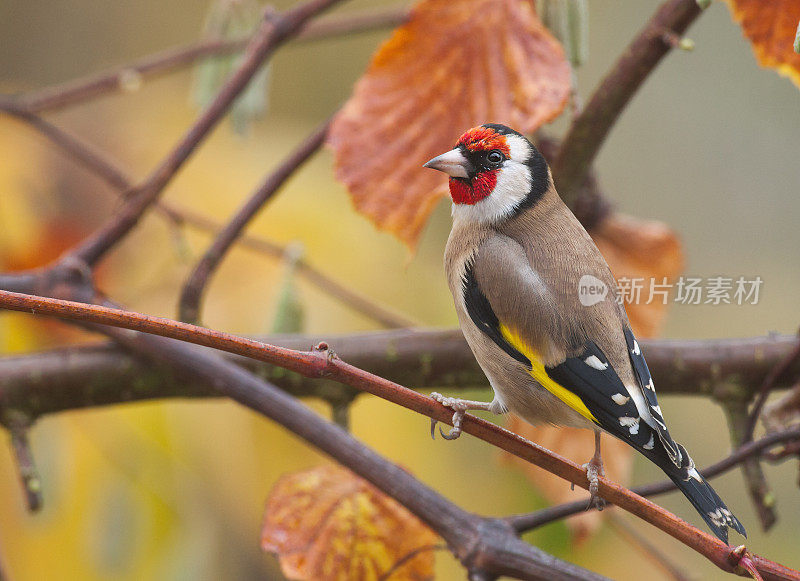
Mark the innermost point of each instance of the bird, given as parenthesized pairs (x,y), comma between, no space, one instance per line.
(538,306)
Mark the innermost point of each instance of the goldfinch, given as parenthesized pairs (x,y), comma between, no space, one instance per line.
(519,264)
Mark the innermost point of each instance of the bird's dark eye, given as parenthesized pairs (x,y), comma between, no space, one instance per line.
(495,156)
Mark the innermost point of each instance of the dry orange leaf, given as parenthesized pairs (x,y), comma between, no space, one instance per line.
(771,27)
(634,249)
(454,65)
(328,524)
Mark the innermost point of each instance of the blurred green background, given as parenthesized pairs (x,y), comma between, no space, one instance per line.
(175,490)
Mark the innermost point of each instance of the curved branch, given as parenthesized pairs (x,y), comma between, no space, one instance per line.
(322,363)
(589,129)
(193,289)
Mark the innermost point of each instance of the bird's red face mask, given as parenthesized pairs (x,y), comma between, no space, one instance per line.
(474,164)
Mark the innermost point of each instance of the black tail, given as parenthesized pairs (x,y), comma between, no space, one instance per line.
(699,492)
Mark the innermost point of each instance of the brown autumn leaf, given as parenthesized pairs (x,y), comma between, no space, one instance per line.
(328,524)
(454,65)
(771,28)
(633,249)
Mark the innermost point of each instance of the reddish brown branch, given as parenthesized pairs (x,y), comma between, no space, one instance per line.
(193,289)
(274,31)
(589,129)
(324,364)
(115,80)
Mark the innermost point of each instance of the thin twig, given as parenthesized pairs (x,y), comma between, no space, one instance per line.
(119,79)
(650,550)
(324,364)
(766,387)
(408,557)
(193,289)
(533,520)
(274,31)
(89,156)
(349,297)
(589,129)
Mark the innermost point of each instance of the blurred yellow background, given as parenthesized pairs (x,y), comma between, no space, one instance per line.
(175,490)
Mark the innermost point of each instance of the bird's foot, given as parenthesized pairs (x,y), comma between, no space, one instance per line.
(594,469)
(459,407)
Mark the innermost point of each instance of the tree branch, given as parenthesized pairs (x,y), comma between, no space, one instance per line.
(591,127)
(87,376)
(115,80)
(274,31)
(193,289)
(247,389)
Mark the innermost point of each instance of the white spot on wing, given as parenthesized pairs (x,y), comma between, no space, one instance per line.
(594,361)
(650,443)
(641,405)
(657,409)
(620,399)
(636,350)
(631,423)
(717,518)
(693,473)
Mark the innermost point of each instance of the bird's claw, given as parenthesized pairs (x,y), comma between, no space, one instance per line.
(459,407)
(593,470)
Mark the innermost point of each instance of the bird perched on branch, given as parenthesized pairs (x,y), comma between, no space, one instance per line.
(538,306)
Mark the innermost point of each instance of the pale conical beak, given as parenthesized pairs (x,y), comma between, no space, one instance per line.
(453,163)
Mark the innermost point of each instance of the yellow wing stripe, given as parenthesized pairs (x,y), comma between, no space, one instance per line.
(540,374)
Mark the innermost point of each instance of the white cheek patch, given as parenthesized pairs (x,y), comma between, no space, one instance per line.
(513,185)
(518,149)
